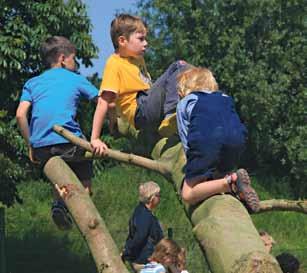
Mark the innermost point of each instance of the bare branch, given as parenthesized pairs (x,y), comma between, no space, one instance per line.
(283,205)
(154,165)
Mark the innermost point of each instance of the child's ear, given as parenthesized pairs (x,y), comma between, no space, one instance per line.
(61,59)
(121,40)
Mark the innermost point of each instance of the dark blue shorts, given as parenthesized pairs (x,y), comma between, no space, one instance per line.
(213,156)
(67,151)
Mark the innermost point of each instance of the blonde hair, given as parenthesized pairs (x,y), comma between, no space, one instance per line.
(125,25)
(147,190)
(169,248)
(196,79)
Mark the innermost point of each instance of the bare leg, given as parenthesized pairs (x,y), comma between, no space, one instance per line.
(192,193)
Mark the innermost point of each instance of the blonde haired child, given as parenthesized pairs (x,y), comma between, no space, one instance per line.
(144,227)
(167,255)
(213,139)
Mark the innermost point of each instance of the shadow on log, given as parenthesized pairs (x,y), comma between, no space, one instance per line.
(86,216)
(221,224)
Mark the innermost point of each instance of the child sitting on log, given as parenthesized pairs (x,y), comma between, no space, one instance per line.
(168,256)
(53,97)
(127,83)
(213,138)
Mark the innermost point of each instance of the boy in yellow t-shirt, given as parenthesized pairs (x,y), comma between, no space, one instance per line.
(127,83)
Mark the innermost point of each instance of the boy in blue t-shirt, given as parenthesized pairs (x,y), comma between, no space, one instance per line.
(54,96)
(213,138)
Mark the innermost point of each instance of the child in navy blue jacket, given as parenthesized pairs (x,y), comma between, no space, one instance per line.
(213,139)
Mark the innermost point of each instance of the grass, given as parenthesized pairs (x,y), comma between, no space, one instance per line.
(35,245)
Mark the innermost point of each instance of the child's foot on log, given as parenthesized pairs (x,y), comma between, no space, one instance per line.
(240,186)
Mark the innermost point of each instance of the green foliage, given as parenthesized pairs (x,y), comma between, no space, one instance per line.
(258,50)
(23,26)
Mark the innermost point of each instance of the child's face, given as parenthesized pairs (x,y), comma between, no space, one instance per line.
(168,260)
(135,46)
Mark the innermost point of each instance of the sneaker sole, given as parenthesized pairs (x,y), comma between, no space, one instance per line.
(246,192)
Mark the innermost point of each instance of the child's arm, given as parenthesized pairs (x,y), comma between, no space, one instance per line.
(104,100)
(22,121)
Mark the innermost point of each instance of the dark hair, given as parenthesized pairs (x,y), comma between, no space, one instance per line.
(125,25)
(288,263)
(52,47)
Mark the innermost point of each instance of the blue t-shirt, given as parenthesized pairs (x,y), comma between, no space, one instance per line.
(54,96)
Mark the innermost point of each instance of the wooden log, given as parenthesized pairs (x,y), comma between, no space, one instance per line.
(221,223)
(86,216)
(222,226)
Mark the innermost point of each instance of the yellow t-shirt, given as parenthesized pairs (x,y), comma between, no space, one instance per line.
(125,77)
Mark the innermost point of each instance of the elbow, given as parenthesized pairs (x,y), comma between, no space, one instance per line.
(19,115)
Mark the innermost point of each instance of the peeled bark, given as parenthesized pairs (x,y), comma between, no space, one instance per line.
(86,216)
(221,223)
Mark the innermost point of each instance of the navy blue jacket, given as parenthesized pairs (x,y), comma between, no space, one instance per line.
(144,233)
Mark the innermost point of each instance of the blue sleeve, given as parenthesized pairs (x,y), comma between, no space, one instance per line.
(26,93)
(184,110)
(88,90)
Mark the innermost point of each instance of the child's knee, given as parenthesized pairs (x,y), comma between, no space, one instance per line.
(187,195)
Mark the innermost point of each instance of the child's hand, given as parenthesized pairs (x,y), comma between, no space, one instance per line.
(99,147)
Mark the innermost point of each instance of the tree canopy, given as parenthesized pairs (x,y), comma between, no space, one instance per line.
(258,51)
(24,25)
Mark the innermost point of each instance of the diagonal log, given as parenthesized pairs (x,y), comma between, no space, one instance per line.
(222,225)
(86,216)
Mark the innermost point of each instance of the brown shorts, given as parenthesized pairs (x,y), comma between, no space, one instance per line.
(67,151)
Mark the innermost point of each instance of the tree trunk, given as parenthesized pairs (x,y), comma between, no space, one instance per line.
(86,216)
(222,224)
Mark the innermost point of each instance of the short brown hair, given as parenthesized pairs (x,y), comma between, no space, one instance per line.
(195,79)
(53,46)
(125,25)
(169,248)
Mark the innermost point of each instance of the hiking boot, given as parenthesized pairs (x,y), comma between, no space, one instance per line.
(168,126)
(242,189)
(61,216)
